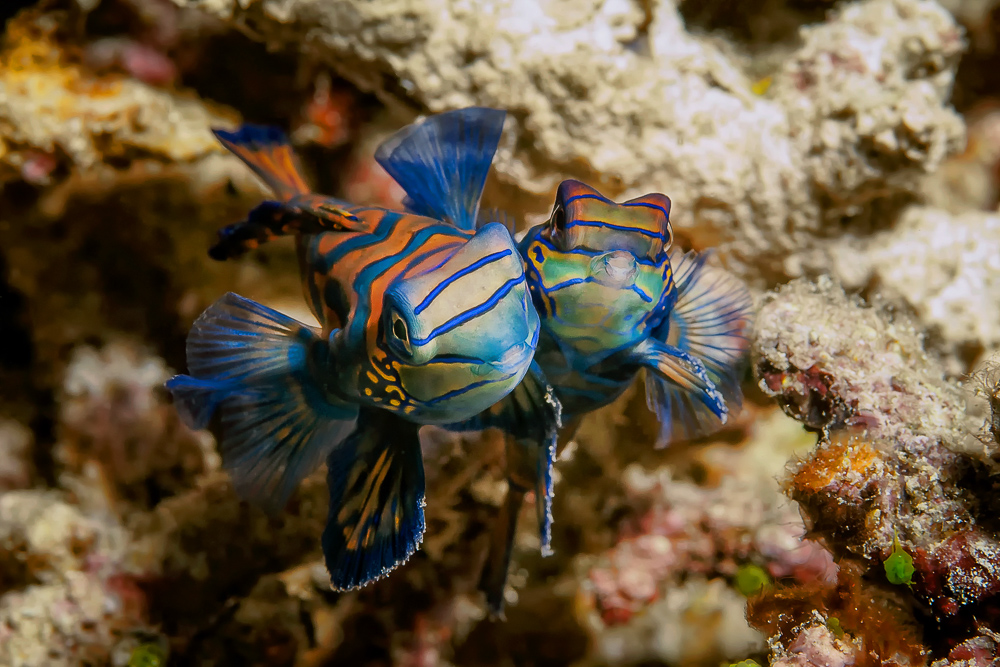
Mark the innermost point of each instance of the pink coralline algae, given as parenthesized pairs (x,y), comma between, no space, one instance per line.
(911,467)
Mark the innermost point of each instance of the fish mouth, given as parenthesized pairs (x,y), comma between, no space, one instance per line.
(513,359)
(614,269)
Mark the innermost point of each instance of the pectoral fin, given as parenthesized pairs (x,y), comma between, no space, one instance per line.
(679,389)
(254,366)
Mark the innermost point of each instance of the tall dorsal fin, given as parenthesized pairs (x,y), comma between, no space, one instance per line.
(442,162)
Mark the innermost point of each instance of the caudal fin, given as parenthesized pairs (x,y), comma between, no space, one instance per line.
(709,321)
(442,162)
(376,518)
(251,364)
(267,151)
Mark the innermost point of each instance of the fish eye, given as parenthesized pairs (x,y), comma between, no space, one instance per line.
(399,329)
(559,218)
(400,332)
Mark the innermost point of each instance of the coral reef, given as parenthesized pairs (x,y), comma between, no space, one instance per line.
(914,477)
(850,122)
(807,139)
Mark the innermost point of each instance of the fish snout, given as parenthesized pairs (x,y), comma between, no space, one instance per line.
(513,359)
(614,269)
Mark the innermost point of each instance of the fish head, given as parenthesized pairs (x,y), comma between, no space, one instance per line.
(463,332)
(599,271)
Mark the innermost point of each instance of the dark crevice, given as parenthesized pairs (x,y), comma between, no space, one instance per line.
(755,22)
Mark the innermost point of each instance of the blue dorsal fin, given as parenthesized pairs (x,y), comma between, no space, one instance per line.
(442,162)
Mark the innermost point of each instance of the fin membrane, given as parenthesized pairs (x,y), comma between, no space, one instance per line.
(267,151)
(442,162)
(376,519)
(709,321)
(681,388)
(251,364)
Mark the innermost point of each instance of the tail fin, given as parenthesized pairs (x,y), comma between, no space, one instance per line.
(442,162)
(268,153)
(376,518)
(252,364)
(710,321)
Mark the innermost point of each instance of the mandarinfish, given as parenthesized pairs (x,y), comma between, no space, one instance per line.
(425,319)
(614,299)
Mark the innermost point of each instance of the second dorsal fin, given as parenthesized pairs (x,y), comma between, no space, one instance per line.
(442,162)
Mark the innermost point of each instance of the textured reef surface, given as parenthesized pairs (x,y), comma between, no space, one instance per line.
(844,159)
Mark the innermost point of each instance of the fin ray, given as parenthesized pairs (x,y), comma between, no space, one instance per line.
(710,321)
(442,162)
(252,365)
(681,383)
(376,518)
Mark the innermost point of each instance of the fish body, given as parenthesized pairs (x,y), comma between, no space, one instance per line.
(601,279)
(401,302)
(615,299)
(425,319)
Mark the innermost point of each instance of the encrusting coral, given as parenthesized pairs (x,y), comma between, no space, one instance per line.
(851,121)
(913,476)
(806,157)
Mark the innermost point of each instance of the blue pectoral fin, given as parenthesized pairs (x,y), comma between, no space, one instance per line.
(376,519)
(197,400)
(679,390)
(442,162)
(253,365)
(709,321)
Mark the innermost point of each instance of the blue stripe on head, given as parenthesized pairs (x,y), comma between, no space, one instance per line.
(479,263)
(363,281)
(607,225)
(471,313)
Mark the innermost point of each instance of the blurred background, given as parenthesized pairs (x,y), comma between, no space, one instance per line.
(823,148)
